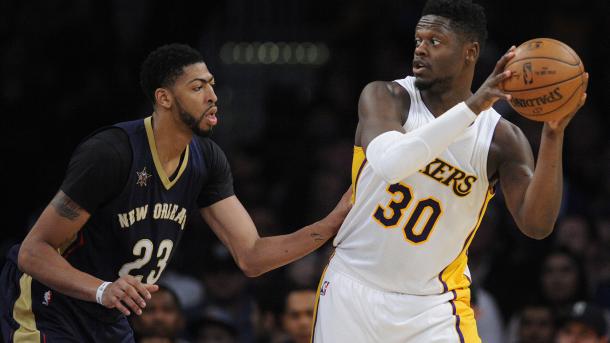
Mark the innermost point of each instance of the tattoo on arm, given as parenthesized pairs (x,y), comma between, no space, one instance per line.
(65,207)
(317,237)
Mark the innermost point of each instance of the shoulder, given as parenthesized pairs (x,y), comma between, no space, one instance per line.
(507,133)
(107,142)
(384,100)
(385,90)
(211,152)
(207,145)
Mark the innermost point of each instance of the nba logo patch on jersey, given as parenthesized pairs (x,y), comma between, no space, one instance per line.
(47,298)
(324,287)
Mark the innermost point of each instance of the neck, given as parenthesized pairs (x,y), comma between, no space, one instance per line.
(443,96)
(171,135)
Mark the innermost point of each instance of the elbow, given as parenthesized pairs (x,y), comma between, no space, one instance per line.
(249,269)
(25,257)
(537,231)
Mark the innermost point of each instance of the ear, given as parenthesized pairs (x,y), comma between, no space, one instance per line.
(473,49)
(164,98)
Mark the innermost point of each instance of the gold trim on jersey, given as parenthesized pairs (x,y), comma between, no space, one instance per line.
(23,315)
(452,277)
(358,163)
(454,280)
(315,308)
(153,150)
(465,322)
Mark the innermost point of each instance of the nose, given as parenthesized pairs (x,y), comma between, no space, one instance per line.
(212,98)
(421,50)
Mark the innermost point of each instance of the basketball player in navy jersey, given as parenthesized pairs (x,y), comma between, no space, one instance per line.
(428,154)
(96,251)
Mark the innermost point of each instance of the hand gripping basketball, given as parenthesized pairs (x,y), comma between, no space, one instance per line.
(548,80)
(491,90)
(126,293)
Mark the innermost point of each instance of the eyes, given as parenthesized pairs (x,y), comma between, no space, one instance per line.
(200,85)
(433,41)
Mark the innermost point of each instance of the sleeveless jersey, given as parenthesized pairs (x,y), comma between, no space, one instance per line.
(412,237)
(137,232)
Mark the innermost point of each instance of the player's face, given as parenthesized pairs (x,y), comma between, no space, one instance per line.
(439,52)
(298,315)
(195,99)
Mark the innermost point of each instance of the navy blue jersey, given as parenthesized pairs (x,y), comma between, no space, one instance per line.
(137,232)
(138,215)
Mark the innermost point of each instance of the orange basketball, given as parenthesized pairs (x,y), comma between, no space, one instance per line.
(547,81)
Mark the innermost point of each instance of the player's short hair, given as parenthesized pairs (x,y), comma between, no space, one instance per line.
(164,65)
(466,17)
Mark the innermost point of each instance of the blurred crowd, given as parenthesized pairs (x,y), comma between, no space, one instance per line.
(69,67)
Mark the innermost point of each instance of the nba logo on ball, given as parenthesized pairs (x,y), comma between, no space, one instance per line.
(528,76)
(324,287)
(547,80)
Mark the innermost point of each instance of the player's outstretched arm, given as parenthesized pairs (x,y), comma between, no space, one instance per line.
(533,195)
(255,255)
(57,226)
(393,154)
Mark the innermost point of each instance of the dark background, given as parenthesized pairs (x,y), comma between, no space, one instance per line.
(69,67)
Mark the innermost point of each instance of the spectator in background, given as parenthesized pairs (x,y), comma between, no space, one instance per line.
(226,290)
(535,324)
(599,266)
(562,280)
(161,319)
(585,323)
(216,326)
(297,318)
(574,233)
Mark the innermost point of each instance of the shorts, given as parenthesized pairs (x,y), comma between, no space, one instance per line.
(31,312)
(351,311)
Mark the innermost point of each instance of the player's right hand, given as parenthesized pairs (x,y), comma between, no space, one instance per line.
(127,293)
(491,90)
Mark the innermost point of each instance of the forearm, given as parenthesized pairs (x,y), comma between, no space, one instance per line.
(394,155)
(269,253)
(543,196)
(45,264)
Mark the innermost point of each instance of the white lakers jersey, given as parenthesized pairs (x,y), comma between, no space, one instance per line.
(412,237)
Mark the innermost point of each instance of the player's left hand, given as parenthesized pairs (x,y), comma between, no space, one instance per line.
(560,124)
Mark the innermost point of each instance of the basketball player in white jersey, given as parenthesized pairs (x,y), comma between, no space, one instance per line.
(428,154)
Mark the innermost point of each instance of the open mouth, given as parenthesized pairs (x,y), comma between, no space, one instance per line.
(210,116)
(419,67)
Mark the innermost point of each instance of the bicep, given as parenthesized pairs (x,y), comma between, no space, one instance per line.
(59,222)
(379,111)
(516,168)
(231,223)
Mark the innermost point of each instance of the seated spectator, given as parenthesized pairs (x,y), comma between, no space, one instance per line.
(215,326)
(297,317)
(161,319)
(586,323)
(536,324)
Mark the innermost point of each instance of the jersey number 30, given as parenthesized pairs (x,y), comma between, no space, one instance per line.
(390,215)
(144,250)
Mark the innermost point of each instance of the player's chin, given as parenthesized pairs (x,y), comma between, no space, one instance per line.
(423,83)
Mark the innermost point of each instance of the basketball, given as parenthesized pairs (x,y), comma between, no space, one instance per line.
(547,80)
